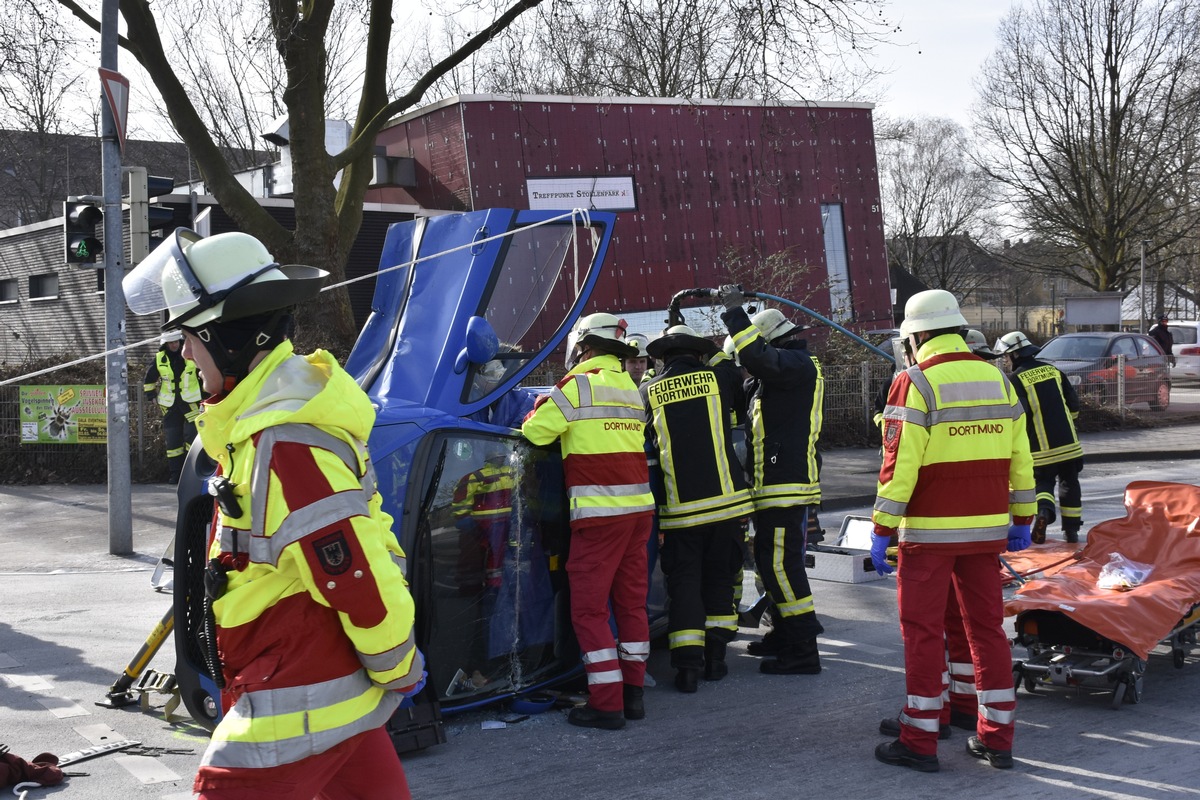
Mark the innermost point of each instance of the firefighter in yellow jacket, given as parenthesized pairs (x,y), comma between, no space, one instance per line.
(597,415)
(171,382)
(305,585)
(957,486)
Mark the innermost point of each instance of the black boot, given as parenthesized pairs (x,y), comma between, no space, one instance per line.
(1070,532)
(771,644)
(635,707)
(715,667)
(1037,534)
(687,680)
(801,658)
(588,717)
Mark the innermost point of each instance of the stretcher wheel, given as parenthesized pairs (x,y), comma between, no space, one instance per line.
(1030,684)
(1118,695)
(1177,658)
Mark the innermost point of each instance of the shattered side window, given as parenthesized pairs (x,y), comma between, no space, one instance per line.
(537,284)
(494,566)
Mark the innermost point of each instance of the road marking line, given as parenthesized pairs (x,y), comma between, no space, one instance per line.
(866,648)
(63,708)
(100,733)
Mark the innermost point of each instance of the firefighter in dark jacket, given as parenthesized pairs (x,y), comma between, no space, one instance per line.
(688,414)
(172,382)
(1051,408)
(786,394)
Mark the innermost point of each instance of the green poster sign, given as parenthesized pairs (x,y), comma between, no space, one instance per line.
(63,415)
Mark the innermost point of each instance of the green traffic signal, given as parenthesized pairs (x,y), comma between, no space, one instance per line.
(79,232)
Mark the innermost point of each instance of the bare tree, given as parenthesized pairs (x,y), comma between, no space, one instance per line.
(936,203)
(327,216)
(1091,111)
(782,49)
(41,98)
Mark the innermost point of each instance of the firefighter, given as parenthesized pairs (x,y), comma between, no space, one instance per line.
(956,466)
(597,415)
(688,412)
(639,366)
(962,704)
(785,396)
(172,382)
(1051,408)
(305,584)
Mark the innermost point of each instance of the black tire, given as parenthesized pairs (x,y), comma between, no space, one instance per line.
(1162,396)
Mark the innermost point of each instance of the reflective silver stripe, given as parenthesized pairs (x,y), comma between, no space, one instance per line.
(609,412)
(743,338)
(307,700)
(906,414)
(1022,496)
(688,638)
(303,521)
(922,385)
(804,605)
(997,716)
(607,676)
(962,687)
(611,396)
(989,696)
(390,659)
(962,668)
(924,703)
(634,649)
(971,391)
(887,506)
(596,656)
(608,490)
(931,725)
(969,414)
(590,512)
(308,435)
(668,520)
(725,623)
(564,405)
(989,534)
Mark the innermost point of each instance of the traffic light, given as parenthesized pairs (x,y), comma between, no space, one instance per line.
(148,224)
(80,219)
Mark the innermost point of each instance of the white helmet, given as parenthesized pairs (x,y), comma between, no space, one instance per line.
(772,324)
(682,337)
(639,340)
(603,331)
(170,336)
(931,310)
(221,278)
(978,343)
(1015,343)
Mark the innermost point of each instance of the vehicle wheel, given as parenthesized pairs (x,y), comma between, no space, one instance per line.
(1177,657)
(1030,684)
(1162,397)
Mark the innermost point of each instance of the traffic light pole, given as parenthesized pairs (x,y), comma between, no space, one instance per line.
(116,371)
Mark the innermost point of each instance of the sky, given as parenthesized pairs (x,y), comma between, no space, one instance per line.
(934,74)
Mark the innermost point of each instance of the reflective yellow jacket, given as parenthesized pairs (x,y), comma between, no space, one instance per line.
(597,413)
(160,382)
(956,455)
(316,626)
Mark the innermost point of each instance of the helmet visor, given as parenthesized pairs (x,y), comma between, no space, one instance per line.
(164,280)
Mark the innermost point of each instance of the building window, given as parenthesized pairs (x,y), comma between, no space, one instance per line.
(8,290)
(44,286)
(841,302)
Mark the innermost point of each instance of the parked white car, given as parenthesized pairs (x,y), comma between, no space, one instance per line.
(1186,349)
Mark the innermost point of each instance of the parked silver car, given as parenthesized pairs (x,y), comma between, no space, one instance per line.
(1090,361)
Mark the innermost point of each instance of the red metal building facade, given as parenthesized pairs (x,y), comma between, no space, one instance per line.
(709,178)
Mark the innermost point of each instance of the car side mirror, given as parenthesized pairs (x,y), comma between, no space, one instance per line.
(481,345)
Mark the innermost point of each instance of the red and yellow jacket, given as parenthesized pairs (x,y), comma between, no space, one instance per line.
(597,413)
(315,628)
(956,454)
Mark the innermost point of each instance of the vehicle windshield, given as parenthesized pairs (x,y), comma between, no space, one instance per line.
(1074,347)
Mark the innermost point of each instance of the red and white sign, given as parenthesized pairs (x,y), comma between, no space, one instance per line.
(116,91)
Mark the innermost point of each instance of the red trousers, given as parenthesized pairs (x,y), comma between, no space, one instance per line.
(961,673)
(924,580)
(364,767)
(607,563)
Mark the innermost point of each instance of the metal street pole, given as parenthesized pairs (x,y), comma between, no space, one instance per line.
(116,375)
(1142,292)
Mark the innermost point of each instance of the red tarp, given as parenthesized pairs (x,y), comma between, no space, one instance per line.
(1162,528)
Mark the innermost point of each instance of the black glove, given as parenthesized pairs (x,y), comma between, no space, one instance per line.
(731,296)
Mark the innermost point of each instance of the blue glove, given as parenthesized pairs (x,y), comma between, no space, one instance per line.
(879,546)
(1018,537)
(730,295)
(410,692)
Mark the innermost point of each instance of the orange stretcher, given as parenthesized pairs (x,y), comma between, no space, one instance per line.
(1078,634)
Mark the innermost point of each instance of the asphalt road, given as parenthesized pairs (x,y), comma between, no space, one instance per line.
(72,626)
